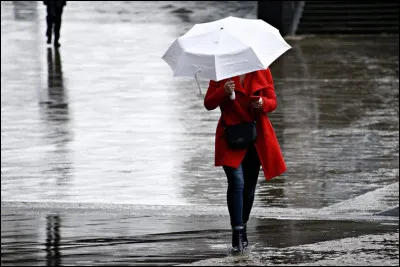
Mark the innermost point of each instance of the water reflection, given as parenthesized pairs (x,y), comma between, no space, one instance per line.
(337,119)
(95,238)
(295,118)
(53,237)
(57,101)
(25,10)
(56,119)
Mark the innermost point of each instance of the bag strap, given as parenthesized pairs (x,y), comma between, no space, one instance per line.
(223,121)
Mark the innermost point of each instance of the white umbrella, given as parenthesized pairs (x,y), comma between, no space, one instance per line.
(225,48)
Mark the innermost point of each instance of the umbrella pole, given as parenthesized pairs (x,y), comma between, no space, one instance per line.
(197,81)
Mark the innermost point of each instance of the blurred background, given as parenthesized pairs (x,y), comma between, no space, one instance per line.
(101,148)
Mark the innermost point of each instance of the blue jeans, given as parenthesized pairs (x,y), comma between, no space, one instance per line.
(241,187)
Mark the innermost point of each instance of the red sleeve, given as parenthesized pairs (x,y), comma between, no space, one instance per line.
(268,94)
(215,95)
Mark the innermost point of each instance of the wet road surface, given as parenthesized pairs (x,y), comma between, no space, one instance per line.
(107,159)
(126,235)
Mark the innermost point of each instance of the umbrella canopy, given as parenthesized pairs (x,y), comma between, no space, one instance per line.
(225,48)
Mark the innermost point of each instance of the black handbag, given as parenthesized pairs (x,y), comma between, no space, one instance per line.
(240,136)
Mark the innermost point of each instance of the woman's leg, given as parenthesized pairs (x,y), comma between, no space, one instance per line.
(235,205)
(57,26)
(251,169)
(50,22)
(235,195)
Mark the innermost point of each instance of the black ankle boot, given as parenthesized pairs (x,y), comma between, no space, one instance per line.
(237,240)
(245,241)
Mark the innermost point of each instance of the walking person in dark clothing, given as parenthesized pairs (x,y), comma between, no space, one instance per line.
(54,13)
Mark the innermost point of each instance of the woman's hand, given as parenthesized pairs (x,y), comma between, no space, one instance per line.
(229,87)
(257,103)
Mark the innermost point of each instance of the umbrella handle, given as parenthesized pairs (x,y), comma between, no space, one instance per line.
(232,96)
(197,81)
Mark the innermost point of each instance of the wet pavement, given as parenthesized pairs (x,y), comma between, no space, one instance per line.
(108,160)
(124,236)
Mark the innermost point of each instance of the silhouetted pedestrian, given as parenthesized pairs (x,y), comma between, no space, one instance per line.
(54,13)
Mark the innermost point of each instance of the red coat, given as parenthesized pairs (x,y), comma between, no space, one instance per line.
(239,110)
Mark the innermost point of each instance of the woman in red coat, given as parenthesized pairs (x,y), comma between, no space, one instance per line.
(254,98)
